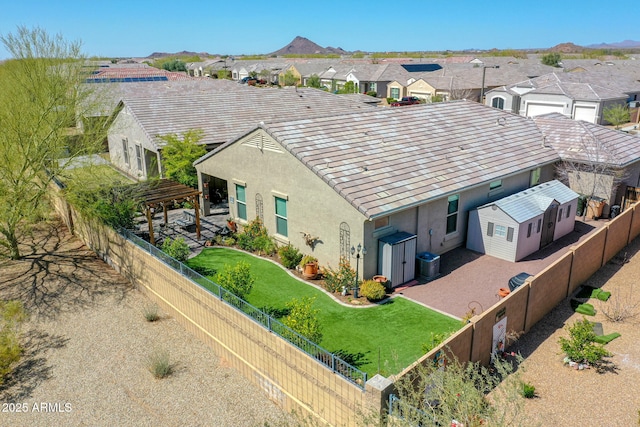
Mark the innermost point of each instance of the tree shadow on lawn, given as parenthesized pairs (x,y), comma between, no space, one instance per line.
(32,369)
(57,273)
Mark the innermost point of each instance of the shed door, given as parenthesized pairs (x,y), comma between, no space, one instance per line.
(398,260)
(549,225)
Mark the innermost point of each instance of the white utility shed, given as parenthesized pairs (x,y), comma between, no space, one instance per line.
(518,225)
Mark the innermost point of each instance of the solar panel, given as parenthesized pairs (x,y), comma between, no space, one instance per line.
(421,68)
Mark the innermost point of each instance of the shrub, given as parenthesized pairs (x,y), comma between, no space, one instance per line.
(620,307)
(436,340)
(159,364)
(528,391)
(581,347)
(303,319)
(176,248)
(228,241)
(12,314)
(255,238)
(290,256)
(150,312)
(264,245)
(372,290)
(344,276)
(236,279)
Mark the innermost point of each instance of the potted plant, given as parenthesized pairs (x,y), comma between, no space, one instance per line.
(309,266)
(232,224)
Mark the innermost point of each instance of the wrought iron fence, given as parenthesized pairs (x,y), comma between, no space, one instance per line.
(328,359)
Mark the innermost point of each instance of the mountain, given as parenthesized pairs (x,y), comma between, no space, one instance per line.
(567,48)
(626,44)
(304,46)
(184,53)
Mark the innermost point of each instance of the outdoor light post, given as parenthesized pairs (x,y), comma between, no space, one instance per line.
(356,252)
(484,71)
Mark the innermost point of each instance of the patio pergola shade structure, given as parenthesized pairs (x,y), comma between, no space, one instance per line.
(164,191)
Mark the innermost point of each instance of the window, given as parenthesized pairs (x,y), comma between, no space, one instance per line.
(539,225)
(500,230)
(241,201)
(139,157)
(490,229)
(125,150)
(498,103)
(452,213)
(568,211)
(281,217)
(495,187)
(381,222)
(560,215)
(529,229)
(510,234)
(535,177)
(395,93)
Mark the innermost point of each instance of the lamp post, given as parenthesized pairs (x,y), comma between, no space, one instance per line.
(356,252)
(484,71)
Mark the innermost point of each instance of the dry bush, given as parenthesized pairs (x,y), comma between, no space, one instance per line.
(621,307)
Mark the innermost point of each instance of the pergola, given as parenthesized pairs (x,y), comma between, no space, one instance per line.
(163,191)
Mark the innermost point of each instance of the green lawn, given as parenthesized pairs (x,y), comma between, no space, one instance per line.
(392,333)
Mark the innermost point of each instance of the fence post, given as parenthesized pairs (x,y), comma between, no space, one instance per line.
(333,363)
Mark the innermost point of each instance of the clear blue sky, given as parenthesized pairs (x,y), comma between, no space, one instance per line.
(136,28)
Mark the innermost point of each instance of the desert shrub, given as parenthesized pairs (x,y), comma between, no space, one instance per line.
(372,290)
(290,256)
(12,314)
(620,306)
(372,93)
(255,238)
(236,279)
(176,248)
(303,319)
(434,341)
(528,390)
(228,241)
(581,347)
(159,364)
(264,245)
(150,312)
(344,276)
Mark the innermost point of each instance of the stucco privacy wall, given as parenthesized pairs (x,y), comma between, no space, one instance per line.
(290,377)
(547,289)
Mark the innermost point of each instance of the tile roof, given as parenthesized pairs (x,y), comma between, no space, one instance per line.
(580,86)
(533,201)
(224,113)
(580,141)
(389,159)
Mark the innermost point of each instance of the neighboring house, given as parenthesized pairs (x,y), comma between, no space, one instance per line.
(599,161)
(580,96)
(133,73)
(518,225)
(220,108)
(357,178)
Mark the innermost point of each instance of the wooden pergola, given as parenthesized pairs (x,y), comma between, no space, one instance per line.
(161,193)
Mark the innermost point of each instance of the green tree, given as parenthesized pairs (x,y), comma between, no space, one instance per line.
(581,346)
(552,59)
(177,248)
(223,74)
(11,316)
(180,153)
(616,115)
(349,87)
(174,65)
(314,81)
(41,100)
(290,79)
(303,319)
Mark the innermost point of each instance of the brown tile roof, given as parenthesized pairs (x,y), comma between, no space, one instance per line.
(390,159)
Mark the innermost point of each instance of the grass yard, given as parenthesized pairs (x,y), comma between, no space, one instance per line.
(385,338)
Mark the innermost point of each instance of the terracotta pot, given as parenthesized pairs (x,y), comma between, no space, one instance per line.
(380,279)
(310,270)
(232,226)
(503,292)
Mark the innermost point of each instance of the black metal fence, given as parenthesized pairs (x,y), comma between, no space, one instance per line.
(330,360)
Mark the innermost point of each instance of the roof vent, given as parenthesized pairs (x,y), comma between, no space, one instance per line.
(502,121)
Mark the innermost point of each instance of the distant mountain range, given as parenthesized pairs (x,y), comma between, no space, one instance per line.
(303,46)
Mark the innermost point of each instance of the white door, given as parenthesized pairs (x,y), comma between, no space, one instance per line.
(585,112)
(536,109)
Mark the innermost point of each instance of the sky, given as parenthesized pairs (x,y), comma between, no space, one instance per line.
(137,28)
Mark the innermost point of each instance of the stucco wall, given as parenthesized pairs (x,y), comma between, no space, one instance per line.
(124,126)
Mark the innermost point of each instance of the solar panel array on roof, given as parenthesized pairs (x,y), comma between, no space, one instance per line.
(421,68)
(128,79)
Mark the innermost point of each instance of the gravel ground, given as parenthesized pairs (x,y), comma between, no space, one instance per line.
(87,345)
(566,397)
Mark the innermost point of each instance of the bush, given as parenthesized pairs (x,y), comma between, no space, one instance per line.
(436,340)
(344,276)
(372,290)
(11,316)
(264,245)
(151,312)
(236,279)
(177,248)
(159,364)
(303,319)
(255,238)
(290,256)
(581,347)
(528,391)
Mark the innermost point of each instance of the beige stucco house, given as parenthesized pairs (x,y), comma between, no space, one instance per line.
(357,178)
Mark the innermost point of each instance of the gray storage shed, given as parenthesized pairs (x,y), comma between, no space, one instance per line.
(518,225)
(397,257)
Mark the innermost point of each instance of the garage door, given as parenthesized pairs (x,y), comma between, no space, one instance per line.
(586,113)
(534,109)
(422,95)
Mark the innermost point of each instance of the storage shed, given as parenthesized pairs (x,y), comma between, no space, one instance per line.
(518,225)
